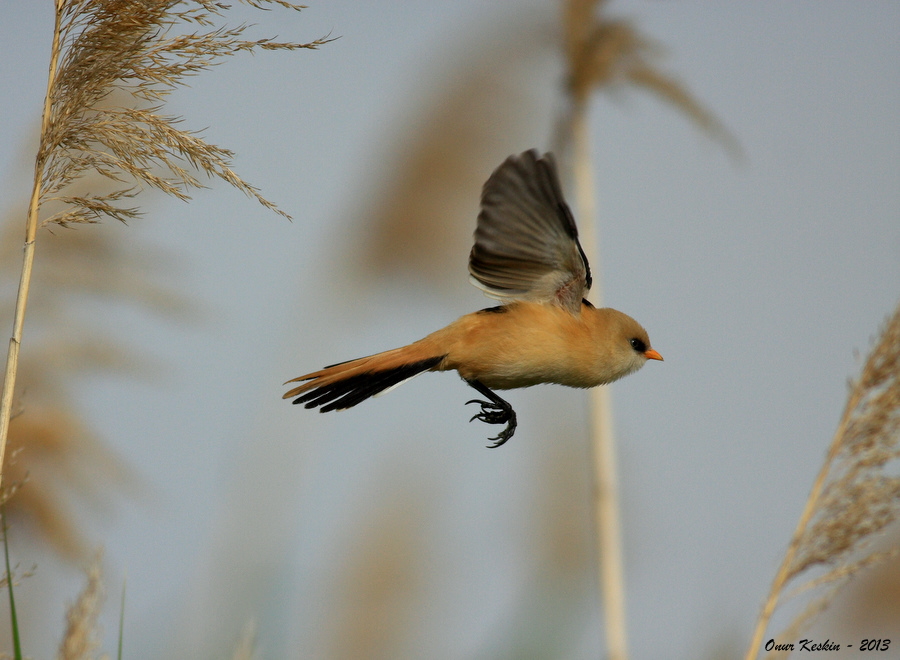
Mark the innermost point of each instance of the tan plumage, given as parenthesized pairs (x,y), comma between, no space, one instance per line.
(527,255)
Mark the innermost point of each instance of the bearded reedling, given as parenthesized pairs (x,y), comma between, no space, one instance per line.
(526,255)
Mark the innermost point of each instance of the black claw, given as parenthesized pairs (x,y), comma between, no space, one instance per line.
(495,411)
(506,433)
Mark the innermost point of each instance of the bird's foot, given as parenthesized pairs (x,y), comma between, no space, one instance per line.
(496,412)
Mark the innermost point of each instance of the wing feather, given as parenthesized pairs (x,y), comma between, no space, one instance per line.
(526,242)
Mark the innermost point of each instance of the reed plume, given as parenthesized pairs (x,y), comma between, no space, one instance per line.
(605,54)
(855,496)
(422,220)
(80,639)
(382,583)
(141,50)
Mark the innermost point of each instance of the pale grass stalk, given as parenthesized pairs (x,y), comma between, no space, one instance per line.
(246,645)
(785,572)
(611,568)
(603,53)
(15,341)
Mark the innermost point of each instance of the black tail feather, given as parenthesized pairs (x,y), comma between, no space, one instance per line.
(350,391)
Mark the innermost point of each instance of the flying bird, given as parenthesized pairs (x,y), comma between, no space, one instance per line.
(527,256)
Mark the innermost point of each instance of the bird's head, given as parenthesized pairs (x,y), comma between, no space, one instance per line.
(624,345)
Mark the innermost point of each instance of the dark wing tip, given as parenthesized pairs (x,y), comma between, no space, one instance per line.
(525,228)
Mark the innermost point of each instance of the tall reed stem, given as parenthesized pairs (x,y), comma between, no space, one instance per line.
(606,482)
(784,572)
(31,222)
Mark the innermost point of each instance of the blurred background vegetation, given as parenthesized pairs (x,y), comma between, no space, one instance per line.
(151,422)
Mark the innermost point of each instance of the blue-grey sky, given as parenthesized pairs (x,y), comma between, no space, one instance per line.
(757,281)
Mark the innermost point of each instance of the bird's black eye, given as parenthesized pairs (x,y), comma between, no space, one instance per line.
(638,345)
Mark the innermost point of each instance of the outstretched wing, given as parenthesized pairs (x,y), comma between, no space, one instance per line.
(526,242)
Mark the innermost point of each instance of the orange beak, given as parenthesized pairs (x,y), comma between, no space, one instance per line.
(650,354)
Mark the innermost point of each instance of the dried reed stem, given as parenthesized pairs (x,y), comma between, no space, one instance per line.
(602,53)
(606,480)
(15,341)
(785,571)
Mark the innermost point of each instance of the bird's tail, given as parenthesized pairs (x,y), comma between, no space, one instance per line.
(341,386)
